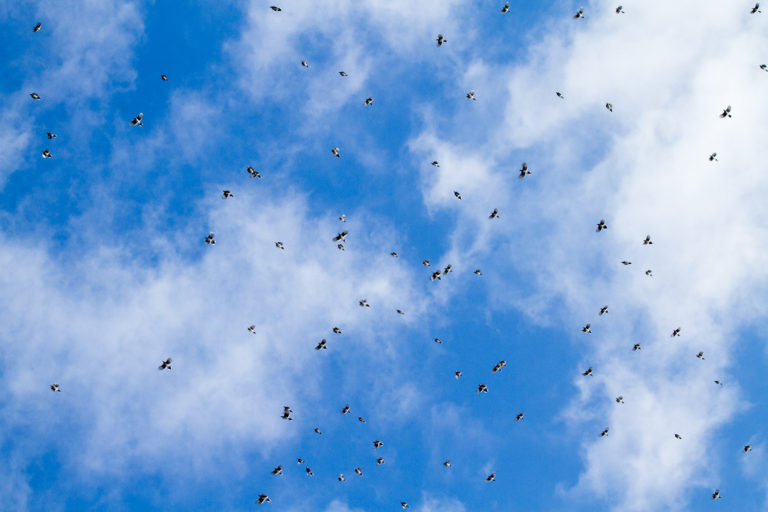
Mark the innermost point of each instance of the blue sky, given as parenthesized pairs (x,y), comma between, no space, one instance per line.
(106,273)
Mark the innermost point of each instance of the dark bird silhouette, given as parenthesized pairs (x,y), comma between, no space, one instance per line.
(393,254)
(649,273)
(209,239)
(635,347)
(400,312)
(138,120)
(361,419)
(165,365)
(625,262)
(604,432)
(278,470)
(441,40)
(505,9)
(164,78)
(471,96)
(647,240)
(719,382)
(494,214)
(458,374)
(755,9)
(619,399)
(368,101)
(588,372)
(342,73)
(280,245)
(482,388)
(603,310)
(726,112)
(586,329)
(435,163)
(287,413)
(337,330)
(716,494)
(491,477)
(700,355)
(675,332)
(478,272)
(764,67)
(37,27)
(601,225)
(458,195)
(252,329)
(447,463)
(304,64)
(51,135)
(426,263)
(275,8)
(309,471)
(47,153)
(335,152)
(263,498)
(579,14)
(404,504)
(254,173)
(501,364)
(609,107)
(226,194)
(345,410)
(380,461)
(35,96)
(678,436)
(520,416)
(341,236)
(713,157)
(377,444)
(322,345)
(55,387)
(524,171)
(620,10)
(436,275)
(341,478)
(359,471)
(559,95)
(343,217)
(747,448)
(364,303)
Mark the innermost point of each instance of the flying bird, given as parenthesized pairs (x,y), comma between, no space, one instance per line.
(377,444)
(603,310)
(364,303)
(263,498)
(322,345)
(601,225)
(280,245)
(47,153)
(309,471)
(426,263)
(287,413)
(447,269)
(747,448)
(435,163)
(342,73)
(441,40)
(620,10)
(458,195)
(404,504)
(524,171)
(304,64)
(55,387)
(254,173)
(579,14)
(380,461)
(164,78)
(520,416)
(35,96)
(252,329)
(625,262)
(471,95)
(494,214)
(719,382)
(436,275)
(676,332)
(340,247)
(361,419)
(341,236)
(345,410)
(165,365)
(337,330)
(478,272)
(299,461)
(560,95)
(335,152)
(726,112)
(137,120)
(491,477)
(458,374)
(604,432)
(586,329)
(400,312)
(678,436)
(501,364)
(588,372)
(341,478)
(447,463)
(713,157)
(393,254)
(716,494)
(275,8)
(368,101)
(343,217)
(359,471)
(505,9)
(647,240)
(755,9)
(635,347)
(619,399)
(700,355)
(764,67)
(482,388)
(609,107)
(278,470)
(227,194)
(649,273)
(37,27)
(51,135)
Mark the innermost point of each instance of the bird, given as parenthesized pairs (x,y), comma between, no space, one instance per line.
(635,347)
(755,9)
(491,477)
(604,432)
(47,153)
(579,14)
(458,374)
(287,413)
(393,254)
(586,329)
(719,382)
(609,107)
(478,272)
(588,372)
(137,120)
(254,173)
(299,461)
(726,112)
(275,8)
(436,275)
(380,461)
(361,419)
(505,9)
(619,399)
(603,310)
(675,332)
(51,135)
(341,236)
(252,329)
(482,388)
(342,73)
(345,410)
(35,96)
(601,225)
(520,416)
(494,214)
(335,152)
(209,239)
(343,217)
(404,504)
(625,262)
(304,64)
(280,245)
(359,471)
(426,263)
(37,27)
(501,364)
(377,444)
(278,470)
(400,312)
(340,247)
(369,101)
(649,273)
(227,194)
(340,478)
(647,240)
(364,303)
(559,95)
(764,67)
(524,170)
(322,345)
(747,448)
(700,355)
(435,163)
(716,494)
(471,96)
(441,40)
(678,436)
(55,387)
(263,498)
(337,330)
(447,463)
(165,365)
(309,471)
(164,78)
(447,269)
(620,10)
(713,157)
(457,194)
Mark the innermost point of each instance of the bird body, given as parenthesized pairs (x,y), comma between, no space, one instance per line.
(280,245)
(471,96)
(586,329)
(604,432)
(369,101)
(726,112)
(647,240)
(55,387)
(491,477)
(609,107)
(335,152)
(524,171)
(342,73)
(138,120)
(263,498)
(35,96)
(580,14)
(482,388)
(37,27)
(209,240)
(164,78)
(441,40)
(755,9)
(275,8)
(494,214)
(505,9)
(322,345)
(587,373)
(254,173)
(601,225)
(47,153)
(457,194)
(165,365)
(227,194)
